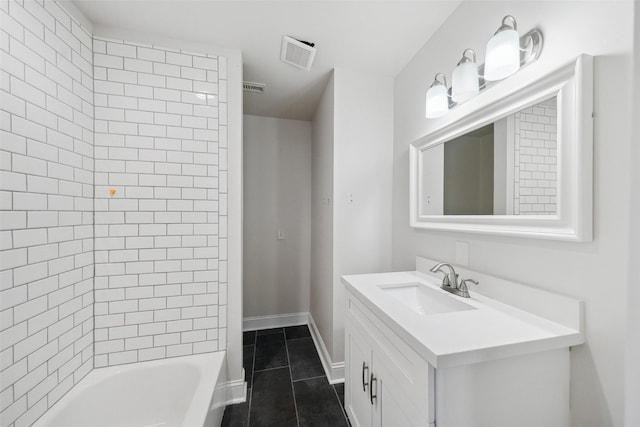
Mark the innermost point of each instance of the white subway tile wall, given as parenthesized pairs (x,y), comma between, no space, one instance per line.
(160,239)
(46,207)
(535,185)
(75,123)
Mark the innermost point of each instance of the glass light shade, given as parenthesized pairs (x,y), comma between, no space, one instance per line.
(464,82)
(437,104)
(503,55)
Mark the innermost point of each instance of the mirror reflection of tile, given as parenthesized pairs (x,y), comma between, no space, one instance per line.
(508,167)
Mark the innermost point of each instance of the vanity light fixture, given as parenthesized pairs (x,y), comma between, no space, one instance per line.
(507,53)
(503,51)
(465,83)
(437,100)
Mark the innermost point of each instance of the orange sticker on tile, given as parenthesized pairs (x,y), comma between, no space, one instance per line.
(112,191)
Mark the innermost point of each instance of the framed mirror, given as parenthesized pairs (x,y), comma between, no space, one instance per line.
(520,166)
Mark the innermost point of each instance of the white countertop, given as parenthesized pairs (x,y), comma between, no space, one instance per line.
(492,330)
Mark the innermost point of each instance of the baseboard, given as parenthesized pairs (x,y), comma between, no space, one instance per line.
(236,391)
(334,371)
(275,321)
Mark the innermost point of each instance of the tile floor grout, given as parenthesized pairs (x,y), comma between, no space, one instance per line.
(313,393)
(310,378)
(271,369)
(293,390)
(250,389)
(344,411)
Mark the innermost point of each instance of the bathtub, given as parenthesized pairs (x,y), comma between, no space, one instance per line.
(177,392)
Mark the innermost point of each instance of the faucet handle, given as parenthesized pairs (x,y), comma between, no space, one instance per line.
(463,284)
(450,279)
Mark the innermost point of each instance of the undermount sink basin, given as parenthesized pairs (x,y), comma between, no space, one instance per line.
(424,300)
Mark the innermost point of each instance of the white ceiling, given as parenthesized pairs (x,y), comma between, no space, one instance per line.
(379,37)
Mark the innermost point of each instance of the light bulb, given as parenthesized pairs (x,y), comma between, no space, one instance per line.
(464,81)
(436,100)
(503,52)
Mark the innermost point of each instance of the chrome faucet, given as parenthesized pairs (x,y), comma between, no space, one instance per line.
(450,281)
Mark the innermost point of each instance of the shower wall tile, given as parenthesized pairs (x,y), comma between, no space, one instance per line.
(160,239)
(46,208)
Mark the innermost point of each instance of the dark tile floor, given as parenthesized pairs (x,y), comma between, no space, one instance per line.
(286,383)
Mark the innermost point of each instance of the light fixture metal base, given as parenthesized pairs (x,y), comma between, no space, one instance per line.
(530,47)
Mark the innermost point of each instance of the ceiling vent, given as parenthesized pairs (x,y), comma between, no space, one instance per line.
(253,87)
(297,53)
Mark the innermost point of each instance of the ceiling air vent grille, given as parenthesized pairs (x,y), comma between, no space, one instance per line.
(297,53)
(253,87)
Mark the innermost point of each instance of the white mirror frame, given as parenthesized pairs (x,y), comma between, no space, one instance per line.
(573,86)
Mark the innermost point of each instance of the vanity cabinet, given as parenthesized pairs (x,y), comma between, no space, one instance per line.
(386,383)
(390,384)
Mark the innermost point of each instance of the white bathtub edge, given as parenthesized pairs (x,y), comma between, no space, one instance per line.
(219,397)
(226,393)
(207,411)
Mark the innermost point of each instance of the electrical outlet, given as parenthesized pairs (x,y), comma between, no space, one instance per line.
(280,234)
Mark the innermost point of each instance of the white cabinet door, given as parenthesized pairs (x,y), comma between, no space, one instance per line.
(393,402)
(391,410)
(386,383)
(358,372)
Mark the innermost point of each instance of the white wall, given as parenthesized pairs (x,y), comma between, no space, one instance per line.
(362,180)
(432,179)
(632,375)
(351,194)
(502,167)
(595,272)
(277,196)
(321,291)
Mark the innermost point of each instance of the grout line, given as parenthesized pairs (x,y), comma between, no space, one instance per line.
(270,333)
(271,369)
(295,339)
(293,391)
(288,366)
(249,405)
(253,363)
(311,378)
(93,212)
